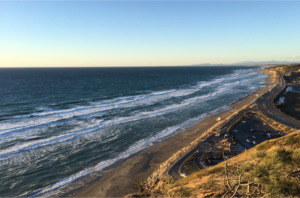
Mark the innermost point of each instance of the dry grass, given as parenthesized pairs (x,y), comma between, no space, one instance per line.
(276,125)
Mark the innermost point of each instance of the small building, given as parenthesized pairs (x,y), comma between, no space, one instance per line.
(226,142)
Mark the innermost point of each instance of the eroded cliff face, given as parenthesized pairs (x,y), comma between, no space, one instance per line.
(282,68)
(279,70)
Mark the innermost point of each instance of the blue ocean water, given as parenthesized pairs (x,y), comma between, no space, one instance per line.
(59,124)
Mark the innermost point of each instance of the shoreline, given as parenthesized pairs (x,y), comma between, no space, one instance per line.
(118,179)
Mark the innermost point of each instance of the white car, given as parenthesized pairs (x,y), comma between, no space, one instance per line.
(248,140)
(265,123)
(253,142)
(183,175)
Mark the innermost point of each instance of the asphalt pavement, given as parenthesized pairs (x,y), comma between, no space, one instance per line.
(264,105)
(174,170)
(253,129)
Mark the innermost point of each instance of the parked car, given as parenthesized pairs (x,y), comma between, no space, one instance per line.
(281,133)
(226,135)
(248,140)
(253,136)
(235,130)
(183,175)
(254,142)
(269,135)
(265,123)
(251,130)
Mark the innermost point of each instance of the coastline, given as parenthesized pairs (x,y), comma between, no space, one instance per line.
(120,177)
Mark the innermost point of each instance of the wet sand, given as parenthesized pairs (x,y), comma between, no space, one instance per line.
(120,181)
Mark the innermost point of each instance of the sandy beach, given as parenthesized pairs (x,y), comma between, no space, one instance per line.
(119,180)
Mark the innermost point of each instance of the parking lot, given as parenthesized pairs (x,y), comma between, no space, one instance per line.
(252,130)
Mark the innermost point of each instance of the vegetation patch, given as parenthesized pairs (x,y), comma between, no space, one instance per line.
(213,170)
(189,166)
(265,145)
(209,184)
(276,125)
(182,192)
(293,141)
(219,153)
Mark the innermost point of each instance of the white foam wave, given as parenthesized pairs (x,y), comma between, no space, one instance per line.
(139,145)
(18,124)
(100,124)
(136,147)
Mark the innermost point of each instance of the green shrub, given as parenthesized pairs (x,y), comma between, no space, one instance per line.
(140,186)
(296,156)
(260,154)
(265,146)
(278,157)
(246,167)
(283,187)
(183,192)
(260,171)
(169,180)
(293,140)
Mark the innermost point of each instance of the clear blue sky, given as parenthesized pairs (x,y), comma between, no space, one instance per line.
(147,33)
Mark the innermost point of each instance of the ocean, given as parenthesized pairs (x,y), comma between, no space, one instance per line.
(60,124)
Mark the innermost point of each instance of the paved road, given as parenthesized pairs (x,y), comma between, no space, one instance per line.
(174,170)
(198,158)
(265,106)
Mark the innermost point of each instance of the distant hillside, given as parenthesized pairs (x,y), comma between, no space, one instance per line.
(248,63)
(270,169)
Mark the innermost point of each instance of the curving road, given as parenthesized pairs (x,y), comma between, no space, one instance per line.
(201,147)
(265,106)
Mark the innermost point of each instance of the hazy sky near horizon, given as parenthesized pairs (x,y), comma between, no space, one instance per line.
(147,33)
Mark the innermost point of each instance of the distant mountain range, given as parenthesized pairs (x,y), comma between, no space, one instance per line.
(250,63)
